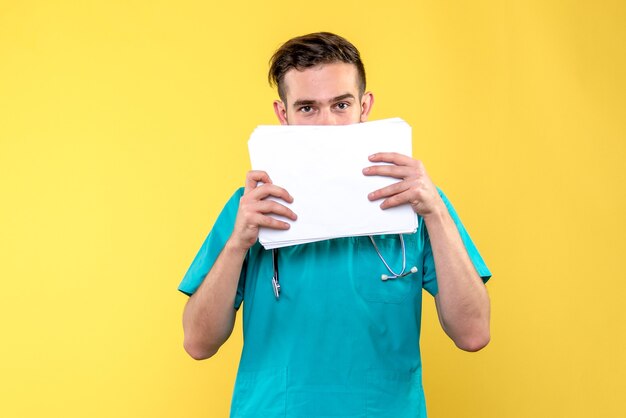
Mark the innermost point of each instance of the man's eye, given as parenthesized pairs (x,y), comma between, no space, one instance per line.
(342,105)
(306,109)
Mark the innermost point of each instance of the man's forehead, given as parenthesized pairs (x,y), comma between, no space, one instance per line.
(322,82)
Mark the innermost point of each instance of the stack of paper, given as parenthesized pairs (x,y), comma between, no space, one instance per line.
(321,167)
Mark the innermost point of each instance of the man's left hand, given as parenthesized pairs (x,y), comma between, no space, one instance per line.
(415,187)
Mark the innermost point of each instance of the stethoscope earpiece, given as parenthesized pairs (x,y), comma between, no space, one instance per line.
(385,277)
(394,275)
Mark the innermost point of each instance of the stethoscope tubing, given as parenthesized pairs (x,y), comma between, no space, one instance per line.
(383,277)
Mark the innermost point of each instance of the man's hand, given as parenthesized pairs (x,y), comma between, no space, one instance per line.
(254,209)
(462,302)
(209,317)
(415,187)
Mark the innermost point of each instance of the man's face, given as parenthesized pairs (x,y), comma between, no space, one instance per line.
(326,94)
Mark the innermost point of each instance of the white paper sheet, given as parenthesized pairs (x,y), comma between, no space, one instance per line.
(321,167)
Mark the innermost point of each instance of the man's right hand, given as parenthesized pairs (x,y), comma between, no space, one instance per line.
(254,208)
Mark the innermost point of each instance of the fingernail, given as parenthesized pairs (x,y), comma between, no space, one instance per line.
(366,170)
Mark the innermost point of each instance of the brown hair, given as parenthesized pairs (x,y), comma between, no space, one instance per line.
(310,50)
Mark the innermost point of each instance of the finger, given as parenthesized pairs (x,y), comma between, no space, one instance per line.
(394,158)
(254,177)
(267,190)
(270,206)
(390,190)
(395,171)
(399,199)
(269,222)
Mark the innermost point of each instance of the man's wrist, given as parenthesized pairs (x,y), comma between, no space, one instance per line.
(235,247)
(439,215)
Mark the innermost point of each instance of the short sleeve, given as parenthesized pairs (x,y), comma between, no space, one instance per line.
(211,249)
(429,275)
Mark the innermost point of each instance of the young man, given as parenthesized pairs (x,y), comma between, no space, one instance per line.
(339,341)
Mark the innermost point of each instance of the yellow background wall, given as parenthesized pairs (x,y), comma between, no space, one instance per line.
(123,129)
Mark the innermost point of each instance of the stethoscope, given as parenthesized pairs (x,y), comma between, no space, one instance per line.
(383,277)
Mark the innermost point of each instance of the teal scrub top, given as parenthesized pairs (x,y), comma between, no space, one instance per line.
(339,342)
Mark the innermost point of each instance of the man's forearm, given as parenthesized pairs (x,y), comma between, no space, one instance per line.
(209,315)
(462,302)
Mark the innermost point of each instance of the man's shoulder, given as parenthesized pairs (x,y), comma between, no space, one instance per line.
(238,193)
(229,210)
(233,201)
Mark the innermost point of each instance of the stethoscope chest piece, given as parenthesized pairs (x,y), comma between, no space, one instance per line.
(275,283)
(276,287)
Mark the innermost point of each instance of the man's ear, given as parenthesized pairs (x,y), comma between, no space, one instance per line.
(281,112)
(367,101)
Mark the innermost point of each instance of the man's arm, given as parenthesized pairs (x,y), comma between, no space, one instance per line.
(462,302)
(209,314)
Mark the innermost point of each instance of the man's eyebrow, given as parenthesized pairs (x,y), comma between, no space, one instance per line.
(309,102)
(304,102)
(343,97)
